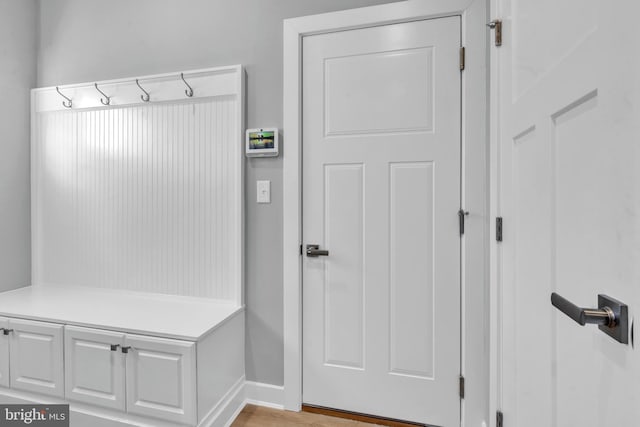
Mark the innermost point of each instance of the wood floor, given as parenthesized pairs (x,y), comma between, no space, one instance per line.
(257,416)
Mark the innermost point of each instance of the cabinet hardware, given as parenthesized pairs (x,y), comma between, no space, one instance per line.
(6,331)
(114,347)
(126,349)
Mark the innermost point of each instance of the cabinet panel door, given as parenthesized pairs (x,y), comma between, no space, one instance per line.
(94,372)
(36,357)
(161,378)
(4,353)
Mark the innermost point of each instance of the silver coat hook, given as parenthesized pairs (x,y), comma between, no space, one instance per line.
(188,92)
(108,101)
(66,104)
(146,96)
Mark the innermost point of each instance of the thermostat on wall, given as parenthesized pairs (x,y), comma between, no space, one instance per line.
(262,142)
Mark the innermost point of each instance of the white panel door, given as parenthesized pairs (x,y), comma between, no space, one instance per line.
(95,367)
(161,378)
(4,352)
(36,360)
(569,174)
(381,174)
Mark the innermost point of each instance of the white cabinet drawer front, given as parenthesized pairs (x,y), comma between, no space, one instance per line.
(36,357)
(161,378)
(94,373)
(4,353)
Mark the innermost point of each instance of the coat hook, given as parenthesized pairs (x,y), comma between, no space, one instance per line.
(108,101)
(146,96)
(66,104)
(188,92)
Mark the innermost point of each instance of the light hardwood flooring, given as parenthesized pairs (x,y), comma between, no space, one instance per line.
(257,416)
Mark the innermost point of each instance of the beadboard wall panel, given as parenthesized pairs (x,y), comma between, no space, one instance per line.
(141,197)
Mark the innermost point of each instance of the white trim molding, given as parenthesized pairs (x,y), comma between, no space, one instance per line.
(242,393)
(261,394)
(475,261)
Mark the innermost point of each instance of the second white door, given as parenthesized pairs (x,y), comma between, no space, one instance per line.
(381,176)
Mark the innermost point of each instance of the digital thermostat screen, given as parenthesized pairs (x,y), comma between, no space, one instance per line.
(261,140)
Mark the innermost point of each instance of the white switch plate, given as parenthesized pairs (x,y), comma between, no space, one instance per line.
(264,191)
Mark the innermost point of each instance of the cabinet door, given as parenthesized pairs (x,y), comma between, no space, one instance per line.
(4,353)
(94,367)
(36,362)
(161,378)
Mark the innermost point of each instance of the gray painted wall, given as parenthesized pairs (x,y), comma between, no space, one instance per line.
(88,40)
(18,38)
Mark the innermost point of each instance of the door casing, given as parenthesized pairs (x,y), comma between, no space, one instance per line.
(474,196)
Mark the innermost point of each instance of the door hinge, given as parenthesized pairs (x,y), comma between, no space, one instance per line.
(499,229)
(499,419)
(461,215)
(461,387)
(496,24)
(462,58)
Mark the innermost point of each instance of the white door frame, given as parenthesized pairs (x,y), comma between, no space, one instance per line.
(475,196)
(495,253)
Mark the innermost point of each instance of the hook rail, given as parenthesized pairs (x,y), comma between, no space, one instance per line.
(106,100)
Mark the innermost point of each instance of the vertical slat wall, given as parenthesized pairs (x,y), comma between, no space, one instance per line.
(141,197)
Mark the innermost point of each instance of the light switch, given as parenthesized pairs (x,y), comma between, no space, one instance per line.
(264,191)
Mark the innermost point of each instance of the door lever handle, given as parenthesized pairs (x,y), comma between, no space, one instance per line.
(611,315)
(315,251)
(582,316)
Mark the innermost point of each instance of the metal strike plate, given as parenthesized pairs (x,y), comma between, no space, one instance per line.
(619,332)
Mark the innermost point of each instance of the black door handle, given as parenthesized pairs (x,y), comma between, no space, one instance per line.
(315,251)
(582,316)
(611,315)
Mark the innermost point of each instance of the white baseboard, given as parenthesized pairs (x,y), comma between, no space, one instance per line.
(239,395)
(261,394)
(228,408)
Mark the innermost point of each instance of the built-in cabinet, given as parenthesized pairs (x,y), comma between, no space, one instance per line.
(141,375)
(134,374)
(95,367)
(161,378)
(162,360)
(32,356)
(135,314)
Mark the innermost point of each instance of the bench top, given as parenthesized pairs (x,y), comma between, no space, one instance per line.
(167,316)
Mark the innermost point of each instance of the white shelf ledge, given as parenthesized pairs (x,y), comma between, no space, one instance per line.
(167,316)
